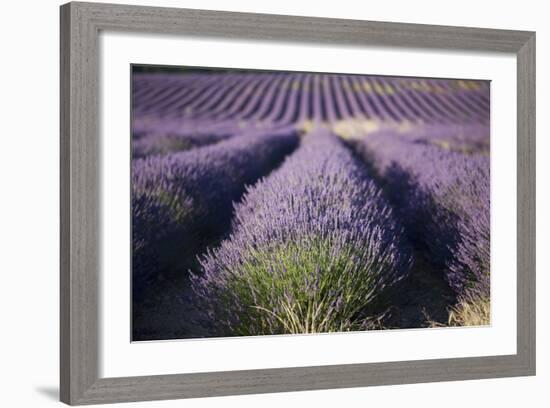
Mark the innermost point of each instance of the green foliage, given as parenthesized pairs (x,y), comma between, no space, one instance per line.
(300,288)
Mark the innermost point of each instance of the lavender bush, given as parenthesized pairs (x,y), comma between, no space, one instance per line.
(164,143)
(444,199)
(467,139)
(182,200)
(312,246)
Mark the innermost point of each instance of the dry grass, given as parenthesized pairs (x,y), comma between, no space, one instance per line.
(476,312)
(472,312)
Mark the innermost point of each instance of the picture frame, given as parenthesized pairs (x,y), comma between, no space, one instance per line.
(81,24)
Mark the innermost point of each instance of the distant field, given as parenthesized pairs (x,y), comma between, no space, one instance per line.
(281,203)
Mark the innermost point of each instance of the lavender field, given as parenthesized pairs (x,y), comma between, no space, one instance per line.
(290,203)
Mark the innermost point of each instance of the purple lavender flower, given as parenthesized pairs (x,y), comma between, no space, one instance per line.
(315,240)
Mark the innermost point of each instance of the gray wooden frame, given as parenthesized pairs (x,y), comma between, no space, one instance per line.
(80,158)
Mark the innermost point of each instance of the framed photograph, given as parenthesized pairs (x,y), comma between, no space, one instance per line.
(259,203)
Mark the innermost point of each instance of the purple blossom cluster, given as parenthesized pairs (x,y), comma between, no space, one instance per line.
(316,234)
(443,197)
(182,200)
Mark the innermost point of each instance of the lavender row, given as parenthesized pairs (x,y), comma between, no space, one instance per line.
(183,200)
(467,138)
(464,138)
(443,197)
(164,143)
(312,246)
